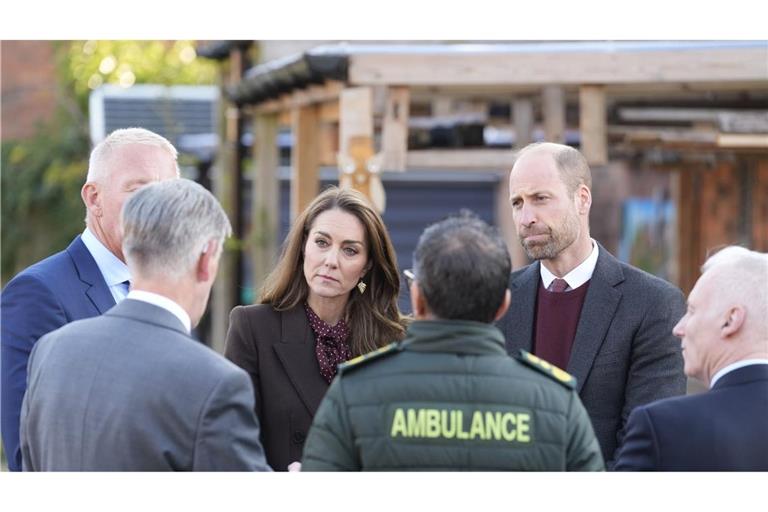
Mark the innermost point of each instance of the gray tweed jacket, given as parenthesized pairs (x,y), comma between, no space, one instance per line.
(624,353)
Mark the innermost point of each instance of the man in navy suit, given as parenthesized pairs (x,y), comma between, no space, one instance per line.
(724,336)
(131,390)
(88,277)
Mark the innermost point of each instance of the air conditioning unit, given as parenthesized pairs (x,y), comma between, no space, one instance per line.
(184,114)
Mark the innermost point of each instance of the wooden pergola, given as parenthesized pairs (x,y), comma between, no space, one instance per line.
(357,100)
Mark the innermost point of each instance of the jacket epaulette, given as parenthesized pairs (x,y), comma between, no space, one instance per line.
(548,369)
(358,361)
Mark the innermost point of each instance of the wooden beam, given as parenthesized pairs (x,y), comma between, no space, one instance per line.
(553,111)
(329,112)
(678,137)
(356,144)
(546,67)
(312,94)
(494,159)
(285,118)
(265,208)
(592,123)
(329,143)
(305,181)
(394,137)
(355,115)
(522,114)
(268,107)
(742,140)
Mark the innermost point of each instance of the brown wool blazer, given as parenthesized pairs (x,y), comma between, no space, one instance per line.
(277,350)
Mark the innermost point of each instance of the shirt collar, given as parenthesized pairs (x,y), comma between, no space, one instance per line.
(165,303)
(734,366)
(110,266)
(576,277)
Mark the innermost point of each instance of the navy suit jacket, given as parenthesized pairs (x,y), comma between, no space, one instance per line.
(723,429)
(62,288)
(623,354)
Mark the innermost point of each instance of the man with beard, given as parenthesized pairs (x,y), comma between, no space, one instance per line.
(603,321)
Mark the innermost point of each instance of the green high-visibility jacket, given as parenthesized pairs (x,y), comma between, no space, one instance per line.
(449,397)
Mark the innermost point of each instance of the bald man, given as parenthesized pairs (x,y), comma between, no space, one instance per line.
(724,337)
(607,323)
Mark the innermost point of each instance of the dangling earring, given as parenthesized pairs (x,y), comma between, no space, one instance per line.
(362,286)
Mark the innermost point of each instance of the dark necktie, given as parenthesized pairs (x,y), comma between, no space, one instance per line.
(558,285)
(127,285)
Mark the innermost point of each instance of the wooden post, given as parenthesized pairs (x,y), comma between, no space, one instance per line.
(553,110)
(265,209)
(394,137)
(592,124)
(305,155)
(356,142)
(222,186)
(522,114)
(355,116)
(360,151)
(226,187)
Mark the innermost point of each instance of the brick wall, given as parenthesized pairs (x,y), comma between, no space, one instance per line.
(28,83)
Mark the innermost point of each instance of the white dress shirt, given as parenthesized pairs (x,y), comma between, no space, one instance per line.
(165,303)
(576,277)
(734,366)
(114,271)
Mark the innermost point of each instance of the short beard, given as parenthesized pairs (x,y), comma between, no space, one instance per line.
(560,238)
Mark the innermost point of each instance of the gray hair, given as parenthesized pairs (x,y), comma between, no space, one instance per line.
(98,169)
(167,226)
(742,274)
(571,164)
(731,254)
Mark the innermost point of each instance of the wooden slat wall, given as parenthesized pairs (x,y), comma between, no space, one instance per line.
(719,218)
(687,228)
(760,207)
(720,206)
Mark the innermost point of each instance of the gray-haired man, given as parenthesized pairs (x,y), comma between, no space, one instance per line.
(131,390)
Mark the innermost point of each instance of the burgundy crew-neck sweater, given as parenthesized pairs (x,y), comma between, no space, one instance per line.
(557,316)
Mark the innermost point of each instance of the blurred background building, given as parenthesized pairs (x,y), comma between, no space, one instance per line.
(676,134)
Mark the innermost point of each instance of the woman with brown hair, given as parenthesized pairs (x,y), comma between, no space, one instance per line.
(331,297)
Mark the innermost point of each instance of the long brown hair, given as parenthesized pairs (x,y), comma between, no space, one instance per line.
(373,317)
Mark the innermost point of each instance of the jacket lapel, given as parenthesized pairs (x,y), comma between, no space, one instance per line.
(296,352)
(518,329)
(95,287)
(596,315)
